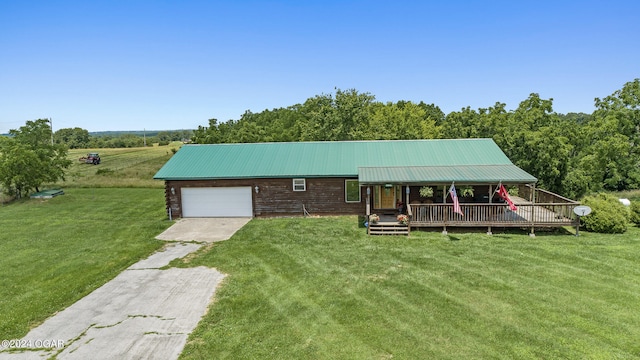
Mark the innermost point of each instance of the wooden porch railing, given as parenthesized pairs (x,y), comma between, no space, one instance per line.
(543,196)
(535,208)
(537,215)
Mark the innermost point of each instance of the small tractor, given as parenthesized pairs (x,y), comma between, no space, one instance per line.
(91,158)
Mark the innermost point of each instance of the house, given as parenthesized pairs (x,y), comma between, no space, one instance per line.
(338,177)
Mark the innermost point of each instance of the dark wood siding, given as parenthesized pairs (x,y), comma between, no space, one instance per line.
(275,197)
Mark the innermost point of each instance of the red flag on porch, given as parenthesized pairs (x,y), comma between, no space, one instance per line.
(502,192)
(456,203)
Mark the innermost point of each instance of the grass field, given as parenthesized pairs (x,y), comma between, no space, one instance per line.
(120,168)
(129,167)
(323,289)
(56,251)
(320,288)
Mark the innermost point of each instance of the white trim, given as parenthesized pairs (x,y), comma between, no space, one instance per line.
(299,185)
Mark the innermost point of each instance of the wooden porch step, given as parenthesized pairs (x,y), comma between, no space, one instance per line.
(388,233)
(388,229)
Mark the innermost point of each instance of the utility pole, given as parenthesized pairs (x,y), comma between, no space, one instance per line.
(51,123)
(144,135)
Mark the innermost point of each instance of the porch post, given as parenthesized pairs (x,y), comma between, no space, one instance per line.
(490,202)
(533,210)
(446,211)
(368,207)
(408,210)
(406,202)
(532,194)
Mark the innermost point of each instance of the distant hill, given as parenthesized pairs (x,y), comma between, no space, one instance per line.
(123,132)
(132,132)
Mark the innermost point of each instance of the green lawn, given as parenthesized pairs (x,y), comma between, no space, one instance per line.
(322,289)
(56,251)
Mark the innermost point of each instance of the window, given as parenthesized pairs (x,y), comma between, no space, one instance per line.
(299,185)
(352,191)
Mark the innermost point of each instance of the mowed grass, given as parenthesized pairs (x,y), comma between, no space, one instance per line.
(54,252)
(126,167)
(320,288)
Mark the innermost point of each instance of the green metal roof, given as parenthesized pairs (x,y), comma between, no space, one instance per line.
(324,159)
(467,174)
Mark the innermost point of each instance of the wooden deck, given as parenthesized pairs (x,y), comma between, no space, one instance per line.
(551,210)
(528,214)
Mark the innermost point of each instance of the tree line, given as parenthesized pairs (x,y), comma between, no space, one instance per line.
(78,138)
(571,154)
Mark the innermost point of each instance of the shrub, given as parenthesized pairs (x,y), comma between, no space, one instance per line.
(635,212)
(608,215)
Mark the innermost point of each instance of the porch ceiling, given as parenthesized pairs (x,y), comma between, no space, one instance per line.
(464,174)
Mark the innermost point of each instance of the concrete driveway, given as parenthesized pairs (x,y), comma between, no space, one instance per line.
(203,229)
(143,313)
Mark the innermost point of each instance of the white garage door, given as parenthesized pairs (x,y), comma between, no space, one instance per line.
(217,202)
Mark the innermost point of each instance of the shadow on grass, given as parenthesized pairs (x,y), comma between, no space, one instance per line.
(361,220)
(498,231)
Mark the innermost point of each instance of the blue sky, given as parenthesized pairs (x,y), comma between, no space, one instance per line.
(129,65)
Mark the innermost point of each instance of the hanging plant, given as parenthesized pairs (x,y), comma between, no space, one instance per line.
(467,191)
(426,191)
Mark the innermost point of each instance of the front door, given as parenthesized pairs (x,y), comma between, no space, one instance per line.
(386,197)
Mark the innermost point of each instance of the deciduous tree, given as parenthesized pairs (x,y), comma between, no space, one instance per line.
(401,121)
(73,138)
(28,159)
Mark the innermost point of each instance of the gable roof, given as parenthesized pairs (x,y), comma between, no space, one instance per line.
(332,159)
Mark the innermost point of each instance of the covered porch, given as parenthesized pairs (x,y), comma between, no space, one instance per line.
(401,190)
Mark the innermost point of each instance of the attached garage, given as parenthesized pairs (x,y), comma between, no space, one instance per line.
(217,202)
